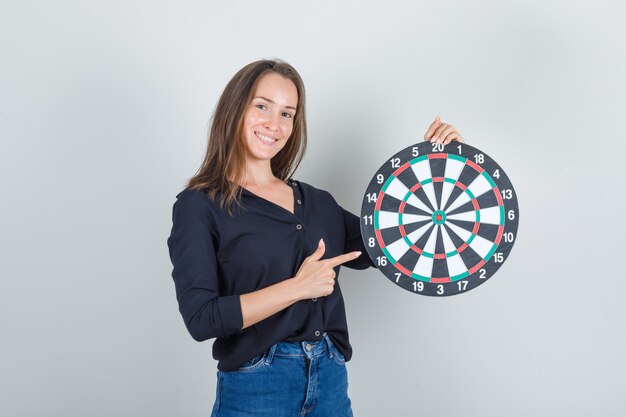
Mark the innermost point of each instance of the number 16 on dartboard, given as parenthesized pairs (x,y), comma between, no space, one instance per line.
(439,220)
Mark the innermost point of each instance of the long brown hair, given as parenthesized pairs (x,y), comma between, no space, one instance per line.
(223,168)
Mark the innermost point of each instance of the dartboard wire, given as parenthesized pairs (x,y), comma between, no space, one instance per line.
(429,191)
(382,219)
(483,247)
(397,249)
(423,268)
(454,167)
(475,227)
(464,247)
(398,190)
(456,266)
(377,220)
(423,173)
(466,163)
(383,222)
(488,215)
(387,219)
(395,192)
(479,186)
(424,265)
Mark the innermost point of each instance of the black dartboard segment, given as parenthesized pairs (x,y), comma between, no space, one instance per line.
(439,220)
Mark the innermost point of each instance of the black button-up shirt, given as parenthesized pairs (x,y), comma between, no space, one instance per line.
(217,257)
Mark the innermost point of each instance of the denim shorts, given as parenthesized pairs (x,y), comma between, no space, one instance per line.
(290,379)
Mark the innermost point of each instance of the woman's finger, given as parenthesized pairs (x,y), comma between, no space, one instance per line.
(318,253)
(431,129)
(438,132)
(445,133)
(453,136)
(338,260)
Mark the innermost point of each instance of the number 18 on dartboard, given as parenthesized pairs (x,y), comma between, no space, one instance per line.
(439,220)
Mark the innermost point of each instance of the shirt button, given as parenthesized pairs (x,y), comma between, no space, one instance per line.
(308,346)
(298,226)
(314,299)
(294,183)
(317,333)
(299,202)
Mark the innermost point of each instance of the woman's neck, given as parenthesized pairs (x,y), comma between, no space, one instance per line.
(259,173)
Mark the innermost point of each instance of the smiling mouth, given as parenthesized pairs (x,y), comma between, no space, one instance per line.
(265,139)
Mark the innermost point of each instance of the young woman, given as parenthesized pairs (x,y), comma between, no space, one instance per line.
(256,255)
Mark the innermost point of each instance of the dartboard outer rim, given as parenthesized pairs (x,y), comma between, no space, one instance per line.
(460,285)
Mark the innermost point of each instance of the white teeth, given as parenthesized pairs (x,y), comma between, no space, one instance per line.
(265,138)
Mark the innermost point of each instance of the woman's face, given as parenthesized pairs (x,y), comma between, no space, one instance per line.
(268,120)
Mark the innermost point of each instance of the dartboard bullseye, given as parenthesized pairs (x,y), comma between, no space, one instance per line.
(439,220)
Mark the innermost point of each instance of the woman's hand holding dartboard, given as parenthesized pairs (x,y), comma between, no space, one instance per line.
(439,132)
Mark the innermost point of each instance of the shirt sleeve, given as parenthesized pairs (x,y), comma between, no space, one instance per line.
(354,241)
(192,252)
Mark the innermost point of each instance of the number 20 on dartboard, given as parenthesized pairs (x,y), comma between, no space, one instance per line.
(439,220)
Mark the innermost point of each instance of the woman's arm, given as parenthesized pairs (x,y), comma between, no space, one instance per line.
(315,278)
(206,313)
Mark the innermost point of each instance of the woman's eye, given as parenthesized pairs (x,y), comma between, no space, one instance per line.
(287,115)
(260,106)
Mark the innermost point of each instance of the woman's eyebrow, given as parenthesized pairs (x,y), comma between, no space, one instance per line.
(271,101)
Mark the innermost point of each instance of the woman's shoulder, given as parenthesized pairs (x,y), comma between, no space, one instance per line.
(317,193)
(192,204)
(198,201)
(190,196)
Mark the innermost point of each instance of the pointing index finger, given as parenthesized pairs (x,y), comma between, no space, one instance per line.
(338,260)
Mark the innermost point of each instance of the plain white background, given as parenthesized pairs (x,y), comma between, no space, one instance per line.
(104,110)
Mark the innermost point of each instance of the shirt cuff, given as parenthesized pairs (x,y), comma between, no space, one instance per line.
(229,307)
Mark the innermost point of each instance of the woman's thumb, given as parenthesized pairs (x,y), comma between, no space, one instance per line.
(319,252)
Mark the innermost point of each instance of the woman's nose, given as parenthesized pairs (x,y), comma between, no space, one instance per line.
(273,121)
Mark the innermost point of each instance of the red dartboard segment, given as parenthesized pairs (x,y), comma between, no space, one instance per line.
(475,229)
(475,166)
(453,256)
(402,269)
(498,196)
(476,267)
(416,249)
(415,187)
(379,200)
(379,239)
(402,168)
(499,235)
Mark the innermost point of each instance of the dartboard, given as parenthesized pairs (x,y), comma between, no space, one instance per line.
(439,220)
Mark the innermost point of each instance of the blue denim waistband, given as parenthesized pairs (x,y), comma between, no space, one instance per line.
(309,349)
